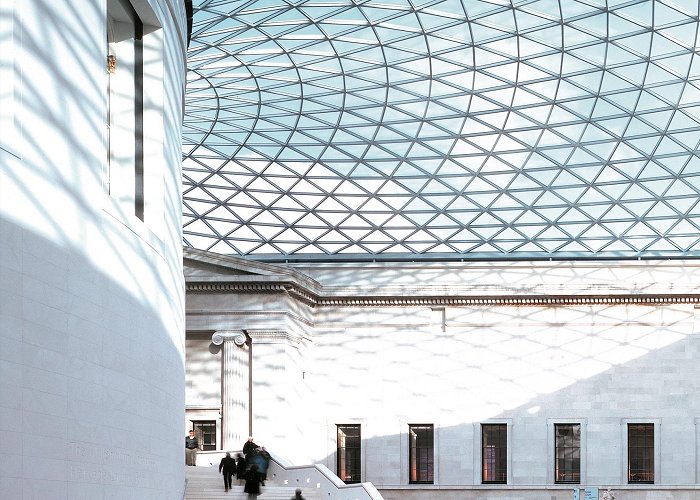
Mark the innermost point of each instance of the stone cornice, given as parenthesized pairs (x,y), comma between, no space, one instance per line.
(458,284)
(274,336)
(512,300)
(364,299)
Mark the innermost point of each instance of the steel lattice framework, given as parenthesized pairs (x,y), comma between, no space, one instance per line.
(322,129)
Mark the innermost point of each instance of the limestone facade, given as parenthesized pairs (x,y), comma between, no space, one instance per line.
(456,346)
(91,286)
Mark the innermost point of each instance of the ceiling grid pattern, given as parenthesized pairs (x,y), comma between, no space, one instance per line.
(472,129)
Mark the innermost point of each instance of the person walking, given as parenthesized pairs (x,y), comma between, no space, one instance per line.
(261,458)
(252,482)
(191,447)
(297,495)
(240,467)
(227,467)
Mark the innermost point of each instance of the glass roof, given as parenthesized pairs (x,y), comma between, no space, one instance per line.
(380,129)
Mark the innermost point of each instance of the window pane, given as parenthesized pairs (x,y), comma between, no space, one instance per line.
(494,453)
(640,453)
(420,453)
(567,453)
(349,453)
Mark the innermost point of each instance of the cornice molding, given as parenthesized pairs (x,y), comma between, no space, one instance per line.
(365,300)
(274,336)
(518,301)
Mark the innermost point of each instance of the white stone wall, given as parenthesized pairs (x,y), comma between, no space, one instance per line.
(609,365)
(601,363)
(91,301)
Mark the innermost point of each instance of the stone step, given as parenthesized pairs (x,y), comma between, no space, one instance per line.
(205,483)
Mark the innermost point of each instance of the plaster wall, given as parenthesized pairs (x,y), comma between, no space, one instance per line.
(91,296)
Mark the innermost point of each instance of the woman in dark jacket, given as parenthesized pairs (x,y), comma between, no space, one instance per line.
(252,482)
(227,466)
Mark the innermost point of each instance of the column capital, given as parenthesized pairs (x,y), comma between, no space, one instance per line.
(237,336)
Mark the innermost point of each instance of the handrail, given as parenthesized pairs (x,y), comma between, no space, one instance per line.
(316,476)
(184,490)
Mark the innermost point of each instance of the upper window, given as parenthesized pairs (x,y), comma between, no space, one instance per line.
(567,453)
(421,452)
(124,179)
(349,453)
(640,453)
(494,453)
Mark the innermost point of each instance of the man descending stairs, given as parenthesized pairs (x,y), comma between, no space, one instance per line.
(205,483)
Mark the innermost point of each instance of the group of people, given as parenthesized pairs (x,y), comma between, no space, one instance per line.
(249,466)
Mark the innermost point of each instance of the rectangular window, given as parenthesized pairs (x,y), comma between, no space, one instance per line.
(125,103)
(420,446)
(494,453)
(567,453)
(205,431)
(640,453)
(349,453)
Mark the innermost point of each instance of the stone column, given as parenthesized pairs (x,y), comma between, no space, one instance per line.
(278,390)
(235,388)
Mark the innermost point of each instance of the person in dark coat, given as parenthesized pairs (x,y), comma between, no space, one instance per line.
(297,495)
(262,459)
(227,467)
(240,467)
(252,482)
(249,447)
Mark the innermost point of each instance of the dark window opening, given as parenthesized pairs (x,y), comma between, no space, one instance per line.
(349,453)
(567,453)
(494,453)
(205,432)
(640,453)
(420,445)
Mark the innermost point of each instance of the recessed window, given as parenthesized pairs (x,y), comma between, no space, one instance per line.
(420,446)
(349,453)
(640,453)
(494,453)
(205,430)
(567,453)
(124,64)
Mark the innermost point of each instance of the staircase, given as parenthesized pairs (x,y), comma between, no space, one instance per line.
(205,483)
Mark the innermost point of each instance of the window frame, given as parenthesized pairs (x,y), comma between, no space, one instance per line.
(649,444)
(197,426)
(576,471)
(342,452)
(430,455)
(499,458)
